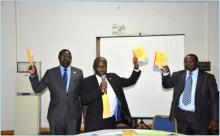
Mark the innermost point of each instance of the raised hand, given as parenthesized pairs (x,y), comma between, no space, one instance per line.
(165,69)
(135,62)
(33,70)
(103,85)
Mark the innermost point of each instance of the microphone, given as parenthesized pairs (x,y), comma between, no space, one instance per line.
(104,79)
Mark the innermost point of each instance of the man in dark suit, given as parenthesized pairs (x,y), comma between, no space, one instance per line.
(194,97)
(64,83)
(109,85)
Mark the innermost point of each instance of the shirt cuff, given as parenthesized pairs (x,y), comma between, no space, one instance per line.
(136,70)
(165,73)
(33,76)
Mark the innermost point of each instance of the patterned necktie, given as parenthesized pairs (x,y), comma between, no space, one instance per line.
(65,78)
(187,90)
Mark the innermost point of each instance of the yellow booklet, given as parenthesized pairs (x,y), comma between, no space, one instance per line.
(141,55)
(30,56)
(160,59)
(129,133)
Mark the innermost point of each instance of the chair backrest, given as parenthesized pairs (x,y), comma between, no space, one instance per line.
(161,122)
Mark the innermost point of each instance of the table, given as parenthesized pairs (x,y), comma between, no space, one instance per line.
(119,132)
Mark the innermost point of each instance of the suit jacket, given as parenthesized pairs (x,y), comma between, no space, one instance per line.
(92,97)
(62,104)
(205,96)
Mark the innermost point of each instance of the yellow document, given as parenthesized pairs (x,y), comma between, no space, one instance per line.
(129,133)
(30,56)
(160,59)
(141,55)
(106,106)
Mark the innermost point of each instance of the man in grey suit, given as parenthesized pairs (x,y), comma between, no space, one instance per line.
(64,83)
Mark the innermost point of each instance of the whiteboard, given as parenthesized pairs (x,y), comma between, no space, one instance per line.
(147,97)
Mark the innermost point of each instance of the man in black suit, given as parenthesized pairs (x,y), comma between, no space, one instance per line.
(103,84)
(194,97)
(64,83)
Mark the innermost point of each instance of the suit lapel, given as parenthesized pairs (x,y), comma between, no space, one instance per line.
(199,80)
(72,83)
(198,85)
(95,81)
(112,83)
(182,83)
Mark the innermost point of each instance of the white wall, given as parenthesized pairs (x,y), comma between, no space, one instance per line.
(213,37)
(0,64)
(8,67)
(47,27)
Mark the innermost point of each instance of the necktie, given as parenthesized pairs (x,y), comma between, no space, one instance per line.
(106,106)
(117,113)
(187,90)
(65,78)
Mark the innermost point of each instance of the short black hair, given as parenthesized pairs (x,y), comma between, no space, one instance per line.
(99,59)
(63,51)
(194,56)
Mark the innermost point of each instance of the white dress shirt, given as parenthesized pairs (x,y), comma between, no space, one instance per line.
(191,105)
(111,95)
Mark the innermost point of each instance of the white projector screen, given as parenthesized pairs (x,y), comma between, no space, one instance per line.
(147,97)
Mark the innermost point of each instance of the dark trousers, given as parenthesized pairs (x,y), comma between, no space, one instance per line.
(187,123)
(109,123)
(65,127)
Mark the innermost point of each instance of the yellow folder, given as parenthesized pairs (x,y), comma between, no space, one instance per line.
(141,55)
(30,56)
(160,58)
